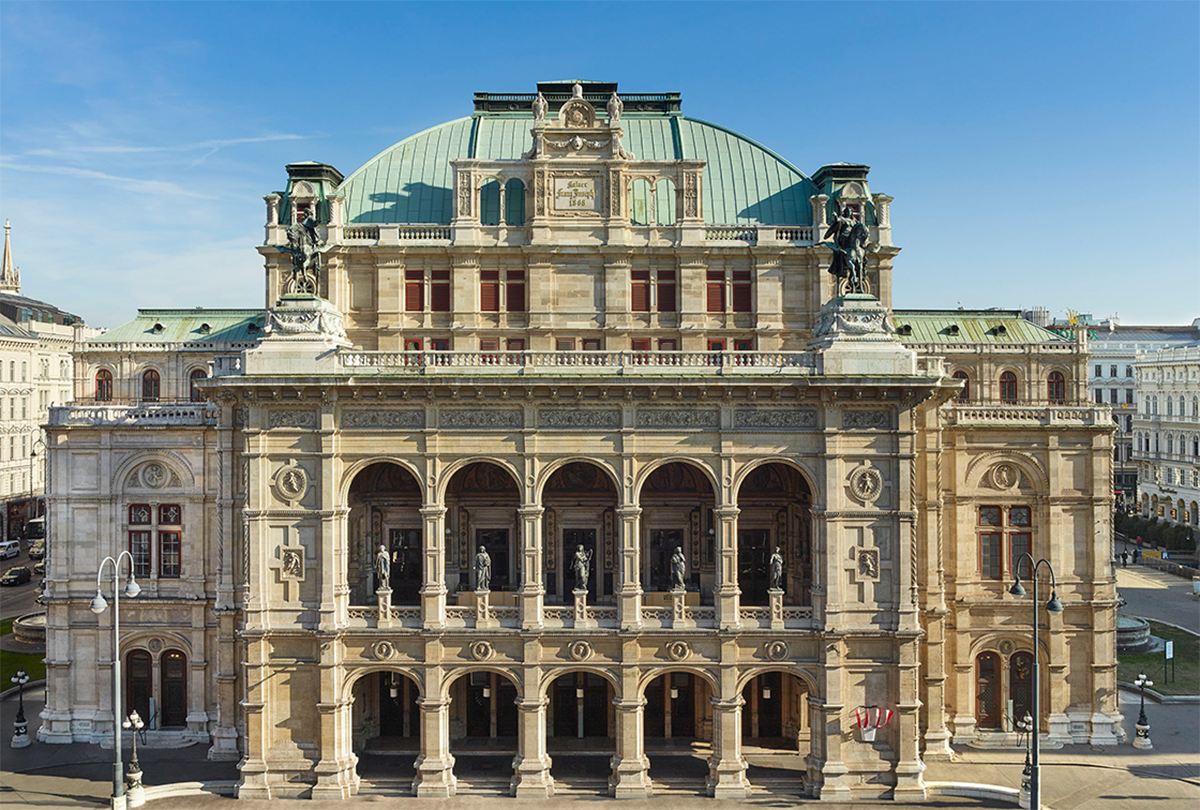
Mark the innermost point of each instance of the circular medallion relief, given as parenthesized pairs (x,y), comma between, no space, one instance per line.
(678,650)
(292,482)
(155,645)
(154,475)
(866,483)
(580,650)
(1006,647)
(383,650)
(776,650)
(1004,476)
(481,650)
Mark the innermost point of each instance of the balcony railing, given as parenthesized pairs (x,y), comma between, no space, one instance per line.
(997,414)
(578,362)
(185,414)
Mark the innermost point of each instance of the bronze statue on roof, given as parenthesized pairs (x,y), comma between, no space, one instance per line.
(849,246)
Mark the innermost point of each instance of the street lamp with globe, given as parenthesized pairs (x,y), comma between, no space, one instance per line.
(20,727)
(1142,738)
(98,606)
(135,795)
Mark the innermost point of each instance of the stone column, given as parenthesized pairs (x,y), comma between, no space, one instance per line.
(531,777)
(435,765)
(727,768)
(336,776)
(727,593)
(910,787)
(629,586)
(532,589)
(834,773)
(630,777)
(433,585)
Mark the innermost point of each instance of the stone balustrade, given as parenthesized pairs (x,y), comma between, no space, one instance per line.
(584,362)
(189,414)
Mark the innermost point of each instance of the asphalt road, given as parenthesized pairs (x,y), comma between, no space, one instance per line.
(1153,594)
(17,600)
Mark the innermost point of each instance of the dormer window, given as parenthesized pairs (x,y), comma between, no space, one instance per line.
(205,329)
(952,329)
(905,329)
(158,327)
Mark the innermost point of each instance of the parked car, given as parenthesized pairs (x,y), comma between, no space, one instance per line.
(10,549)
(37,549)
(40,568)
(16,576)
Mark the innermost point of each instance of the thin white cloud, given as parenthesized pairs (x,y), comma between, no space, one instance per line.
(211,146)
(159,187)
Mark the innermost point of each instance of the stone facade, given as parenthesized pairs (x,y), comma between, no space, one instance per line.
(1167,434)
(675,402)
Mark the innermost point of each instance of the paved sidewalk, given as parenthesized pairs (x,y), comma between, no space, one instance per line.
(1153,594)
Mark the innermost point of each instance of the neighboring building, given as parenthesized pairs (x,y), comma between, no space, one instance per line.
(1115,348)
(1167,434)
(605,351)
(36,340)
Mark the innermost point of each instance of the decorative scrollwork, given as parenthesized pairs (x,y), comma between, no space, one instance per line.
(580,650)
(679,650)
(481,650)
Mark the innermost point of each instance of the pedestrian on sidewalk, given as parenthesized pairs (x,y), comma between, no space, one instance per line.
(1137,555)
(1124,559)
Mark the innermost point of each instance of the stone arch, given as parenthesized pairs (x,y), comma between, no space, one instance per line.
(747,674)
(552,674)
(538,490)
(356,674)
(351,471)
(992,641)
(647,675)
(173,460)
(454,467)
(1029,465)
(383,511)
(711,475)
(808,475)
(140,640)
(453,674)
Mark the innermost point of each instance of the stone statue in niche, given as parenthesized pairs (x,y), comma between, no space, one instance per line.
(582,566)
(304,247)
(615,107)
(483,570)
(678,570)
(540,107)
(776,564)
(849,246)
(383,569)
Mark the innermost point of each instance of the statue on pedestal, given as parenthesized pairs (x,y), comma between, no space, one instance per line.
(615,107)
(849,246)
(678,570)
(777,570)
(540,107)
(483,570)
(303,246)
(582,566)
(383,569)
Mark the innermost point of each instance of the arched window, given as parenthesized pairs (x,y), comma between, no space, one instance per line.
(1056,388)
(489,203)
(640,203)
(965,394)
(151,384)
(1170,443)
(1154,405)
(196,375)
(1182,409)
(664,202)
(1170,409)
(104,385)
(1008,387)
(987,690)
(1196,446)
(514,202)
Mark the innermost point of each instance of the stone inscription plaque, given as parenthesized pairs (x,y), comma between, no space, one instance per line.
(577,194)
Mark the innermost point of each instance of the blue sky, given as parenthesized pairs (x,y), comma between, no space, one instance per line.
(1038,154)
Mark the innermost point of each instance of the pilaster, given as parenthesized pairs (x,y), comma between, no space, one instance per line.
(531,769)
(532,590)
(727,592)
(435,765)
(433,587)
(629,587)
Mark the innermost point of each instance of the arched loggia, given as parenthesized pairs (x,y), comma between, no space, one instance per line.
(385,509)
(580,502)
(774,503)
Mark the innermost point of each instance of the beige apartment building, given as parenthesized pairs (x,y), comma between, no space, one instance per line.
(722,501)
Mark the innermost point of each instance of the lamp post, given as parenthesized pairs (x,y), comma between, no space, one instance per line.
(1142,738)
(20,727)
(136,796)
(98,606)
(1053,606)
(1025,726)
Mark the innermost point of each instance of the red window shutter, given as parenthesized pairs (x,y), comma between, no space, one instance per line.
(489,344)
(591,344)
(516,297)
(640,344)
(639,296)
(564,344)
(716,297)
(666,297)
(741,297)
(489,296)
(413,297)
(439,297)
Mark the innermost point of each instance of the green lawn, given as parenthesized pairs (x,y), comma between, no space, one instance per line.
(11,662)
(1186,668)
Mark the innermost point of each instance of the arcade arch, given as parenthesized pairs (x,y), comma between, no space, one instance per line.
(774,503)
(385,509)
(580,505)
(482,500)
(677,501)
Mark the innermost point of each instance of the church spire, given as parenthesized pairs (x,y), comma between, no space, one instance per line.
(10,277)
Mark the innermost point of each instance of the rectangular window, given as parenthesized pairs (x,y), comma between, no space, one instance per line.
(139,549)
(640,345)
(591,344)
(1018,544)
(169,514)
(989,556)
(516,291)
(1099,397)
(1112,371)
(1112,396)
(440,344)
(1099,371)
(639,291)
(1128,396)
(489,291)
(715,291)
(668,345)
(666,291)
(1019,516)
(1128,371)
(741,291)
(564,344)
(989,516)
(168,555)
(439,291)
(139,514)
(414,291)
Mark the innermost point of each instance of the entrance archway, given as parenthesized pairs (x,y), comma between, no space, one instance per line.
(774,504)
(677,724)
(677,512)
(386,730)
(481,510)
(484,725)
(581,726)
(580,503)
(776,732)
(385,509)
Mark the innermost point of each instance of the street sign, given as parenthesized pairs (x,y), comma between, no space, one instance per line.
(1170,649)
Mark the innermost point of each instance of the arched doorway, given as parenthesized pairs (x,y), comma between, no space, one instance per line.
(386,730)
(173,689)
(987,691)
(385,509)
(481,510)
(581,727)
(580,502)
(677,512)
(139,683)
(777,732)
(774,504)
(484,725)
(677,724)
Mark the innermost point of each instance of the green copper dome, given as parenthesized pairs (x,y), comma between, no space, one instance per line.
(744,182)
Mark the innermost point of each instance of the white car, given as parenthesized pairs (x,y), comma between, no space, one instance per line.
(9,549)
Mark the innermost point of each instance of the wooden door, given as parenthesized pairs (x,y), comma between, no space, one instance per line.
(174,689)
(987,690)
(139,683)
